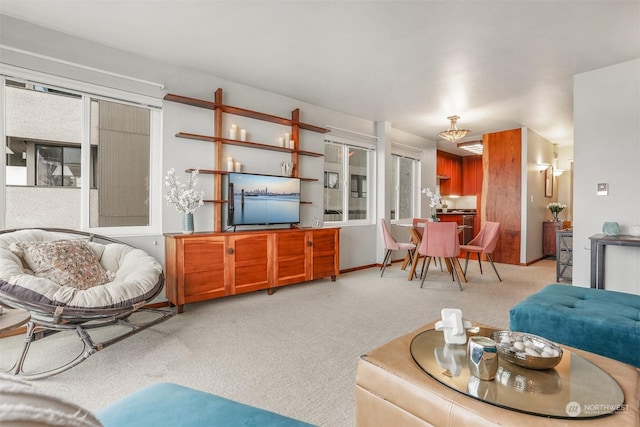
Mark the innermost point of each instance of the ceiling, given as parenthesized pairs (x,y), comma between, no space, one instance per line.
(497,64)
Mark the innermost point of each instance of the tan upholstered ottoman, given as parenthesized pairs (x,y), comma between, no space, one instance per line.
(392,390)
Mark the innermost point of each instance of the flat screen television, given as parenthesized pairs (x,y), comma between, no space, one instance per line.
(263,199)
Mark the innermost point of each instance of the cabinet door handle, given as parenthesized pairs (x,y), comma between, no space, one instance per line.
(230,251)
(309,244)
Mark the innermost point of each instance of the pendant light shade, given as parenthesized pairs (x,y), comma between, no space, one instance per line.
(453,134)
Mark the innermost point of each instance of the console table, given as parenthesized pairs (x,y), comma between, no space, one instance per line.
(598,245)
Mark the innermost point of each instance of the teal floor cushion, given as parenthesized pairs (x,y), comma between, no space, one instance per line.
(166,404)
(596,320)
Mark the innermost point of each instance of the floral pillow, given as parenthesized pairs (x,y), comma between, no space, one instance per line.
(66,262)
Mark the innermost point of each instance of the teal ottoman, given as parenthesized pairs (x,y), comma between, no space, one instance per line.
(596,320)
(166,404)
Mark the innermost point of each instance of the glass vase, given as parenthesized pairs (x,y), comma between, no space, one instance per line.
(555,216)
(187,223)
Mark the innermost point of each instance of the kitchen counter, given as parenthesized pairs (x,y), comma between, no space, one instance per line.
(463,217)
(457,212)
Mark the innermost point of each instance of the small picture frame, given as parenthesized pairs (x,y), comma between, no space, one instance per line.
(548,182)
(331,180)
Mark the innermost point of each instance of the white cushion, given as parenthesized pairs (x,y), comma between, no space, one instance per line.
(136,274)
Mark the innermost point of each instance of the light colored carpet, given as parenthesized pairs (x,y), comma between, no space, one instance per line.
(294,352)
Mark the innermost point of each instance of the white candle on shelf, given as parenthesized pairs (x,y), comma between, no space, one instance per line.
(233,132)
(286,137)
(230,164)
(291,144)
(238,167)
(281,141)
(243,134)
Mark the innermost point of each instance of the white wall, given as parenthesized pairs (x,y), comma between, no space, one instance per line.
(607,150)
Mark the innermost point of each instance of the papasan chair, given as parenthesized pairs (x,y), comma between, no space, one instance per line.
(74,280)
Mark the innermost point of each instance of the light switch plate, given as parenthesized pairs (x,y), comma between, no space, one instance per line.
(603,189)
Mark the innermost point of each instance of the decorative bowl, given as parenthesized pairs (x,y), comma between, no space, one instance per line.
(527,350)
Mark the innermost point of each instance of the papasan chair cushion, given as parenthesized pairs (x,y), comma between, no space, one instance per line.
(132,272)
(73,280)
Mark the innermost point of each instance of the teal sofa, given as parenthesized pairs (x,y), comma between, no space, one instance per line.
(166,404)
(158,405)
(596,320)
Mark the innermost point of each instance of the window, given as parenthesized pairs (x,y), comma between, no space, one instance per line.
(404,187)
(54,166)
(79,161)
(346,199)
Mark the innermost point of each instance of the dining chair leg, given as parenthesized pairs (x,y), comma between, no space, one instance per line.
(424,260)
(454,272)
(479,262)
(494,267)
(466,262)
(384,263)
(425,271)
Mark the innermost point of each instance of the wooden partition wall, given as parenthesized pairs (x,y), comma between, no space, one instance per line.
(501,190)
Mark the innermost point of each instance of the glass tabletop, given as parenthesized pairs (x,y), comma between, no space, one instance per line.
(575,388)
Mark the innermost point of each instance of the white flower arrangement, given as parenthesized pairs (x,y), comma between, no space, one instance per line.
(556,207)
(434,200)
(184,197)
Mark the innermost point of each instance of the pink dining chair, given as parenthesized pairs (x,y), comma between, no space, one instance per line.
(390,244)
(484,243)
(440,241)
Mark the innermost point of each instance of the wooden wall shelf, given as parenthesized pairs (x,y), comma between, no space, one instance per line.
(218,172)
(242,112)
(219,141)
(248,144)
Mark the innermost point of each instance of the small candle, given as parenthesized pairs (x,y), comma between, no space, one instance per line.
(286,137)
(243,134)
(281,141)
(238,167)
(291,144)
(233,132)
(230,164)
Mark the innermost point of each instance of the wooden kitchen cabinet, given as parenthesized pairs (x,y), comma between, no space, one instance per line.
(205,266)
(449,169)
(471,175)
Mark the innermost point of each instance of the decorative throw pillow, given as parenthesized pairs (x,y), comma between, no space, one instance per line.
(66,262)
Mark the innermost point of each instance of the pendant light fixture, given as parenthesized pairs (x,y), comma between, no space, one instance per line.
(453,134)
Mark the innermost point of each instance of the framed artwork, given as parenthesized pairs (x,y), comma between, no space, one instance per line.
(548,182)
(331,180)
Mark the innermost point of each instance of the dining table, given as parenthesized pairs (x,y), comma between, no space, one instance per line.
(416,231)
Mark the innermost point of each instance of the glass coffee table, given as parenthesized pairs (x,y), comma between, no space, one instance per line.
(575,388)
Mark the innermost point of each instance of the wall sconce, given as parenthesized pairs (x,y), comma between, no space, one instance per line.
(558,172)
(542,166)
